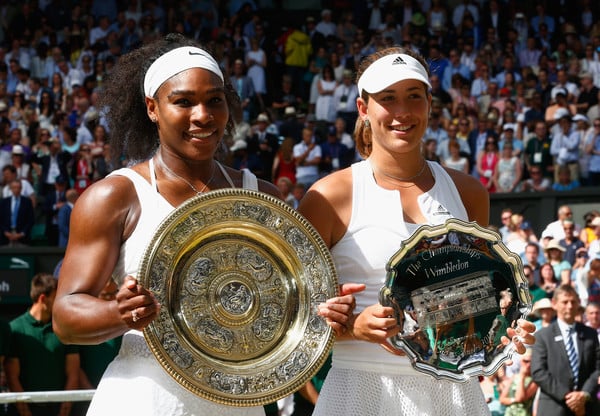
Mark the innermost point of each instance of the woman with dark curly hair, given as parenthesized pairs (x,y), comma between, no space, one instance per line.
(168,108)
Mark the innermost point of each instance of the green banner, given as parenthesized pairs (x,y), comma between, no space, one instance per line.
(16,272)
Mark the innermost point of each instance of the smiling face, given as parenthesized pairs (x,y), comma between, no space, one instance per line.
(191,113)
(398,116)
(592,313)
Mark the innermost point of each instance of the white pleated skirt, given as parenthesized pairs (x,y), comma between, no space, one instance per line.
(353,392)
(136,384)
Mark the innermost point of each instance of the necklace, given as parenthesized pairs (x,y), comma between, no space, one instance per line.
(410,178)
(198,192)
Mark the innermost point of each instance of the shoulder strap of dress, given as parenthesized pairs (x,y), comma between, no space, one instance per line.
(249,180)
(225,174)
(152,174)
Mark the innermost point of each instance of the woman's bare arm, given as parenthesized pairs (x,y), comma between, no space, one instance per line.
(101,217)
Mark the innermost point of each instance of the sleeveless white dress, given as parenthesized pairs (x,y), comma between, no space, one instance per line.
(257,72)
(135,383)
(324,108)
(366,380)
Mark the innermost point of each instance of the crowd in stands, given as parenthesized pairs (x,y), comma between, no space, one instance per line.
(515,88)
(565,254)
(516,103)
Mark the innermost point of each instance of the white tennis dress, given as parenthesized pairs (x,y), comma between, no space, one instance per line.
(366,380)
(135,383)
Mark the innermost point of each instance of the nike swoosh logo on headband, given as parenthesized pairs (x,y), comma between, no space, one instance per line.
(196,53)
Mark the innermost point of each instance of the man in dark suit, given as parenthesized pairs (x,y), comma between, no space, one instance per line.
(245,89)
(353,58)
(16,216)
(495,16)
(291,126)
(477,137)
(64,218)
(317,39)
(53,164)
(265,144)
(52,203)
(564,391)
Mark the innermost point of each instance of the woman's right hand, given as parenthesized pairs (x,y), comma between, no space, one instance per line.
(339,311)
(376,323)
(137,305)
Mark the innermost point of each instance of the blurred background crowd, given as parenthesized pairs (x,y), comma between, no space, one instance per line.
(515,90)
(515,87)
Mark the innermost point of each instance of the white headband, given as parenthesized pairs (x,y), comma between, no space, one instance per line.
(390,69)
(176,61)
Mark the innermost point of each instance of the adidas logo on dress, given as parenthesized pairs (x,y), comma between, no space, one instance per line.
(441,211)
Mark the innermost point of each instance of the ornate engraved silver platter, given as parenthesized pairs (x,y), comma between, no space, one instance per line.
(446,284)
(239,275)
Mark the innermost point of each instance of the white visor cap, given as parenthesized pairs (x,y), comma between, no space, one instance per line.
(390,69)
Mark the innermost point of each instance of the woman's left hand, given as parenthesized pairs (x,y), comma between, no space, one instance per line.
(521,335)
(338,311)
(137,305)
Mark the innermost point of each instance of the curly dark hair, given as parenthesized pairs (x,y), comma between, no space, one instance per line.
(362,134)
(132,135)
